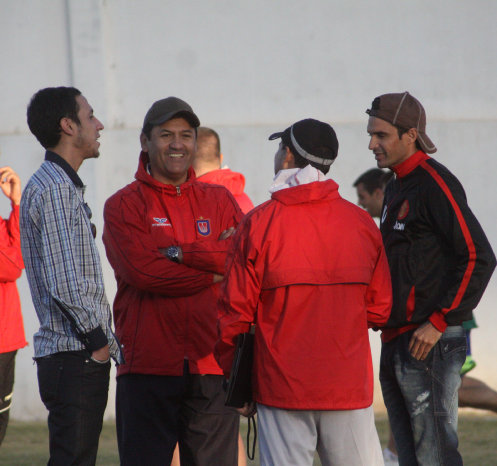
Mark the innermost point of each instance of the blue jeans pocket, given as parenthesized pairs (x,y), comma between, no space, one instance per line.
(451,355)
(453,343)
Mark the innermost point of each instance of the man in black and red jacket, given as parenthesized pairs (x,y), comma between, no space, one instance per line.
(440,262)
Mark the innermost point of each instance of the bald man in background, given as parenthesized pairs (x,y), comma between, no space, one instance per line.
(207,165)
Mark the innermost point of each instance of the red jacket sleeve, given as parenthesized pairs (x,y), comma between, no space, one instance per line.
(461,233)
(379,292)
(240,291)
(210,255)
(11,263)
(135,258)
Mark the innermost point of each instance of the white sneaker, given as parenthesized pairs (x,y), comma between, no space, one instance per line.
(390,458)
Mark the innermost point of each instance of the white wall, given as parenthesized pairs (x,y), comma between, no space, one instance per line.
(249,68)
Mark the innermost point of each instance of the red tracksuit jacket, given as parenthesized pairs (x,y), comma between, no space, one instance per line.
(165,312)
(309,268)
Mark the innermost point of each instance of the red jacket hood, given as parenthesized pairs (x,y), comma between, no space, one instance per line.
(144,176)
(234,182)
(309,192)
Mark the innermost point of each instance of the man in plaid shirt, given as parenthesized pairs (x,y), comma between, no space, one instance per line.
(75,341)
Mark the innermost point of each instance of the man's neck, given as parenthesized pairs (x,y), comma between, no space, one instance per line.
(164,180)
(71,173)
(68,154)
(203,169)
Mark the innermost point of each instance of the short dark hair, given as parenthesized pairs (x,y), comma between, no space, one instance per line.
(373,179)
(147,129)
(402,131)
(45,110)
(205,134)
(300,162)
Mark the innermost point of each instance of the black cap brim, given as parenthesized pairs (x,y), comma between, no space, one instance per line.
(275,136)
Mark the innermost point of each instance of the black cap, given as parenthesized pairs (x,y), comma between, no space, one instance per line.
(171,107)
(311,139)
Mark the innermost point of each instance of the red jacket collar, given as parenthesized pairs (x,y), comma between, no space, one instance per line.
(406,167)
(233,181)
(308,192)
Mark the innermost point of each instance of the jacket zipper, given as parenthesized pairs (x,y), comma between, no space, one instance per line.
(391,201)
(178,190)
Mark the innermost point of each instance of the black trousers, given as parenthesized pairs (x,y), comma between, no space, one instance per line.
(7,369)
(154,412)
(74,389)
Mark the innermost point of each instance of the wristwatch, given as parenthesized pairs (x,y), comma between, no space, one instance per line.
(172,253)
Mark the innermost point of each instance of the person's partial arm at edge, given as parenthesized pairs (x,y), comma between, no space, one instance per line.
(11,263)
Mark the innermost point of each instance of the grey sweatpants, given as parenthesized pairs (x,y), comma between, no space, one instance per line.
(341,438)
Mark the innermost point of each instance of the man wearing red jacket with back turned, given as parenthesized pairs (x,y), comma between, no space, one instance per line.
(166,238)
(310,270)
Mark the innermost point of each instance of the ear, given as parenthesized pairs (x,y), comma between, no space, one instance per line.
(289,160)
(411,135)
(378,194)
(221,157)
(143,142)
(67,126)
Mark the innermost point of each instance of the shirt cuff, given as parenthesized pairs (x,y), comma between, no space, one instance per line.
(95,339)
(438,321)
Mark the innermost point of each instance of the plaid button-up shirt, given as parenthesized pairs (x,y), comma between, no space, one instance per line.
(62,263)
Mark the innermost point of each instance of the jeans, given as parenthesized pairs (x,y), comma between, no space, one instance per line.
(421,398)
(74,389)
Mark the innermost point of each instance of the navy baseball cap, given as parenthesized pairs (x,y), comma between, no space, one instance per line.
(313,140)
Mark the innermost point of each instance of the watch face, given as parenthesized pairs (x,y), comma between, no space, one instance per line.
(173,253)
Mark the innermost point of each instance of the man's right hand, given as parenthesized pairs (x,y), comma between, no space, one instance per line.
(423,340)
(217,278)
(102,354)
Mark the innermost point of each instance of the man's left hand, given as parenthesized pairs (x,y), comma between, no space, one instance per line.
(226,233)
(423,340)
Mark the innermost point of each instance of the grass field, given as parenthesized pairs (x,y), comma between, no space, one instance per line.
(26,443)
